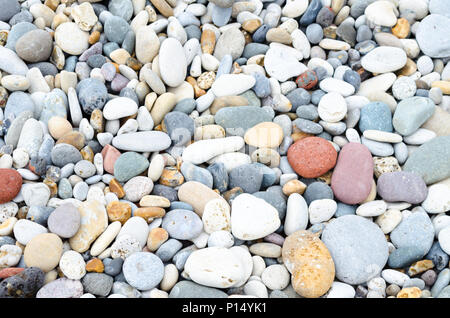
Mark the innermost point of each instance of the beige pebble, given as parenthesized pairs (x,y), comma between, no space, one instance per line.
(59,126)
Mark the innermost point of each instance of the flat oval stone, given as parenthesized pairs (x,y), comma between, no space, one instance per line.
(35,46)
(64,221)
(384,59)
(431,38)
(204,150)
(430,160)
(215,267)
(416,230)
(237,120)
(358,248)
(172,62)
(402,186)
(232,84)
(264,135)
(411,113)
(119,107)
(63,154)
(143,270)
(182,224)
(10,184)
(352,177)
(129,165)
(312,157)
(142,141)
(310,263)
(248,208)
(43,251)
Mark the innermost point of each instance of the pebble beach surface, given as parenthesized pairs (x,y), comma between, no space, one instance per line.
(224,148)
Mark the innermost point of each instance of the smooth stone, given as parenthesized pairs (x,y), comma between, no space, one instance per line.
(232,84)
(43,251)
(411,113)
(204,150)
(416,230)
(34,46)
(310,263)
(429,36)
(282,64)
(182,224)
(119,107)
(193,173)
(384,59)
(11,63)
(172,62)
(71,39)
(358,247)
(429,160)
(179,126)
(142,141)
(143,270)
(92,94)
(64,221)
(217,267)
(247,208)
(354,163)
(402,186)
(129,165)
(230,42)
(375,116)
(404,256)
(62,154)
(437,199)
(97,284)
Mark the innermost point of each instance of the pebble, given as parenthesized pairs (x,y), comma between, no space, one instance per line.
(244,208)
(369,252)
(431,168)
(310,263)
(347,169)
(143,270)
(402,186)
(418,225)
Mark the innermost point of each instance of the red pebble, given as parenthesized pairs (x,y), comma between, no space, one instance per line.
(307,80)
(8,272)
(311,157)
(110,155)
(10,184)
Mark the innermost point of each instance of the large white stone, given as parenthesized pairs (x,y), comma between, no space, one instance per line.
(232,84)
(142,141)
(217,267)
(381,13)
(71,39)
(11,63)
(296,214)
(332,107)
(247,210)
(119,107)
(438,199)
(384,59)
(172,62)
(204,150)
(282,64)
